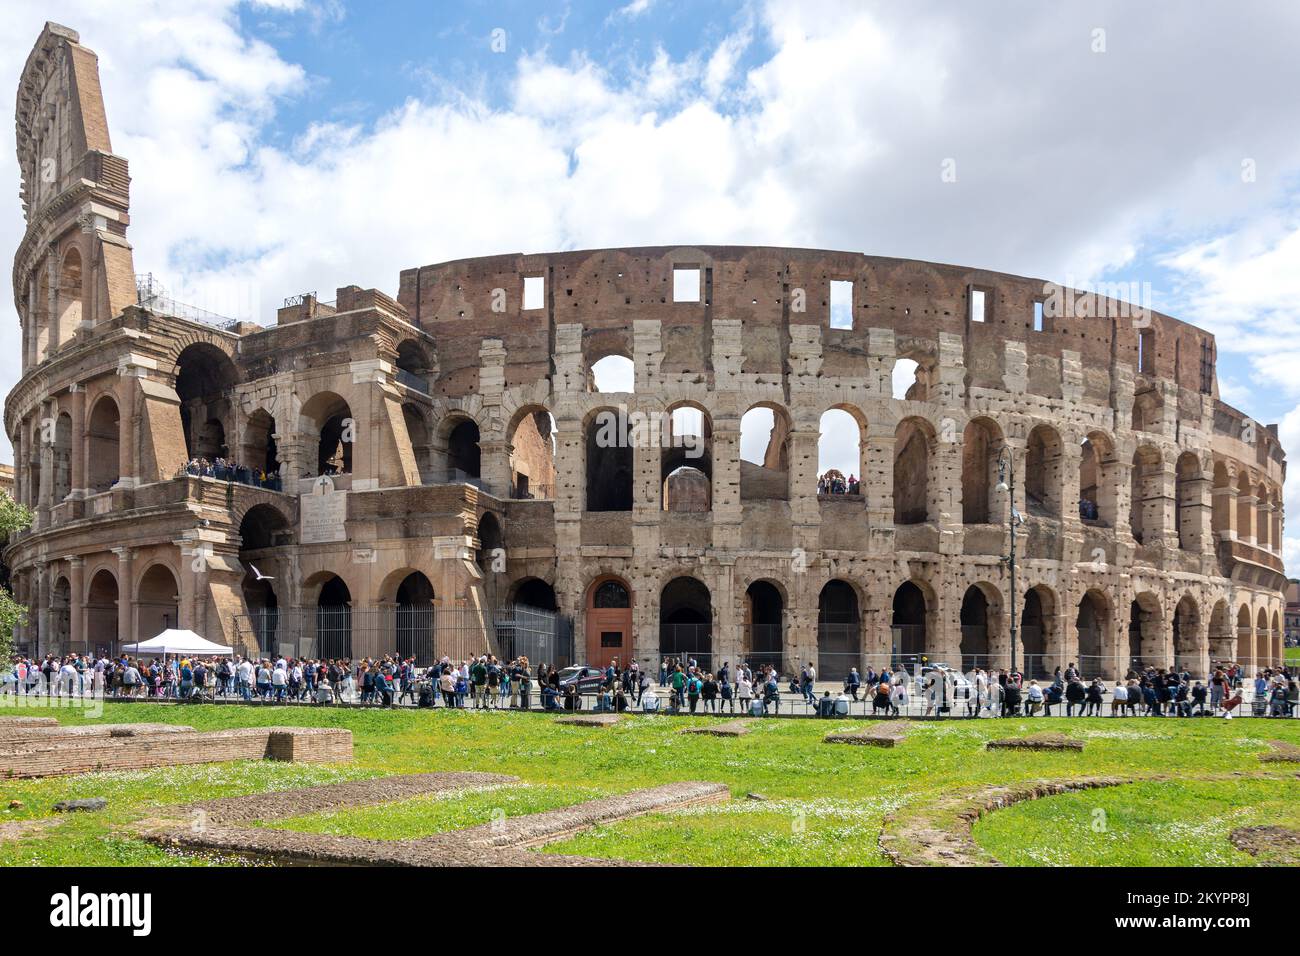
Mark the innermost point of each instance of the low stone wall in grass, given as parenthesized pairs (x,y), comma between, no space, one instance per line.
(41,754)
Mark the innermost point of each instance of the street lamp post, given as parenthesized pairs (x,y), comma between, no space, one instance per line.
(1007,483)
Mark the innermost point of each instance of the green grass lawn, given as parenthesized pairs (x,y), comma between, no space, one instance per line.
(1173,823)
(824,804)
(1292,656)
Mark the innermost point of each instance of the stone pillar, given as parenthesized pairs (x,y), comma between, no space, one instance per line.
(727,508)
(125,597)
(77,399)
(495,458)
(45,452)
(77,603)
(43,591)
(1225,507)
(128,427)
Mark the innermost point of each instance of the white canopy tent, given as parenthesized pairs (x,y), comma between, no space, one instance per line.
(175,641)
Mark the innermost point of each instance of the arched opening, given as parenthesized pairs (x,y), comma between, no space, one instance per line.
(913,440)
(102,613)
(157,602)
(413,365)
(764,625)
(839,630)
(1145,640)
(205,378)
(1245,510)
(613,373)
(464,457)
(1245,638)
(1097,480)
(40,312)
(609,621)
(68,305)
(32,489)
(981,442)
(686,622)
(609,462)
(839,454)
(534,592)
(765,454)
(974,629)
(103,435)
(1034,631)
(908,624)
(414,618)
(1146,502)
(1221,636)
(491,554)
(62,458)
(259,453)
(1263,655)
(1187,637)
(1221,515)
(1090,625)
(1043,477)
(417,430)
(1263,520)
(328,418)
(60,617)
(1187,495)
(532,455)
(334,620)
(686,460)
(261,528)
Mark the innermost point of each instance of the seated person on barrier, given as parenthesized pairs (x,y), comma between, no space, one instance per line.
(550,699)
(772,694)
(572,701)
(649,702)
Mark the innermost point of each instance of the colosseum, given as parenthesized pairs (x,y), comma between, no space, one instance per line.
(451,468)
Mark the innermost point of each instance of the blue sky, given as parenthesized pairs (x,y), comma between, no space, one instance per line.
(286,145)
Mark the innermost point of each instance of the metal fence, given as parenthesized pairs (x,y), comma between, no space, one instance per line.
(426,633)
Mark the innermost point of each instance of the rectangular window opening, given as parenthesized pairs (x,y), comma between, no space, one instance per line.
(841,304)
(686,285)
(977,305)
(534,292)
(1038,316)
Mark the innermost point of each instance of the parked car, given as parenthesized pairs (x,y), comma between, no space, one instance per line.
(587,678)
(960,687)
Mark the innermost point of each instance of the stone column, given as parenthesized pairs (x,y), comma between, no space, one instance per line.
(77,603)
(125,597)
(128,427)
(77,399)
(42,608)
(45,452)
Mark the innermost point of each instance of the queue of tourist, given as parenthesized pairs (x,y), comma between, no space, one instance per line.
(486,683)
(226,469)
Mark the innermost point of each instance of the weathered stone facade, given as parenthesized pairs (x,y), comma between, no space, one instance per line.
(460,418)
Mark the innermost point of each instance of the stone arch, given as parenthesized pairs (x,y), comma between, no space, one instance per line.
(1245,637)
(1221,515)
(417,432)
(69,308)
(609,373)
(103,438)
(326,418)
(333,615)
(415,364)
(157,600)
(765,431)
(1044,474)
(534,592)
(842,444)
(763,641)
(686,621)
(686,458)
(1146,641)
(913,611)
(914,451)
(413,613)
(839,630)
(531,433)
(205,380)
(609,468)
(258,450)
(1092,626)
(102,612)
(1245,509)
(1220,637)
(980,606)
(1263,655)
(264,525)
(1263,520)
(1038,630)
(982,439)
(1098,480)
